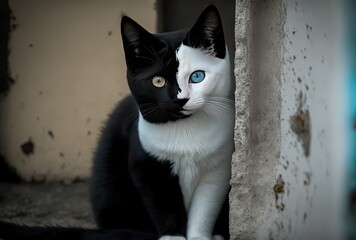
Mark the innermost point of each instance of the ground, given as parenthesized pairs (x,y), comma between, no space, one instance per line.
(46,204)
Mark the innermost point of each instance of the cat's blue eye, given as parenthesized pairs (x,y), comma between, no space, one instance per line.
(197,76)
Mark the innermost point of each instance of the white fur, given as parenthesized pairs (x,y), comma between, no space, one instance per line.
(172,238)
(200,146)
(217,76)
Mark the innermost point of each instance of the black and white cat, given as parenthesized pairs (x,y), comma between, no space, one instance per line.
(162,165)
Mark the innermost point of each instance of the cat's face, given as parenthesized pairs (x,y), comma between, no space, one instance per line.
(173,75)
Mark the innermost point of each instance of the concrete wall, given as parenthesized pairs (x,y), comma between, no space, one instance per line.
(67,62)
(286,181)
(258,60)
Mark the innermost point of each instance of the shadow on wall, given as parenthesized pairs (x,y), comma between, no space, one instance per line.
(5,80)
(7,173)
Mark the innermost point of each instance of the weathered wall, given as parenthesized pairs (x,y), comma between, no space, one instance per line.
(311,115)
(289,138)
(67,62)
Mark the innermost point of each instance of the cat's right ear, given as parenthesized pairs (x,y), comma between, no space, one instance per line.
(207,33)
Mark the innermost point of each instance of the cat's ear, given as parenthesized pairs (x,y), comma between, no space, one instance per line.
(207,33)
(137,42)
(132,34)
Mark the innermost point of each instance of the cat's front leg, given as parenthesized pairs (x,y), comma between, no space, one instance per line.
(172,238)
(207,202)
(159,191)
(162,198)
(215,237)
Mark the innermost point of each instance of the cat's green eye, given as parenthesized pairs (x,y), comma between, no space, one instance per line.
(159,81)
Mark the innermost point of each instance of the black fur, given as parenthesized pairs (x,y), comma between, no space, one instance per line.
(133,195)
(208,33)
(130,189)
(149,55)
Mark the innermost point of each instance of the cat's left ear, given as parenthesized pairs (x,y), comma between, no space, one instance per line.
(207,33)
(138,43)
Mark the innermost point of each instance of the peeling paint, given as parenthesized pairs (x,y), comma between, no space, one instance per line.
(14,26)
(300,124)
(51,134)
(278,191)
(28,147)
(13,22)
(307,179)
(279,186)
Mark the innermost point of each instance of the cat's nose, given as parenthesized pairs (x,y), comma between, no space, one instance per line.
(181,102)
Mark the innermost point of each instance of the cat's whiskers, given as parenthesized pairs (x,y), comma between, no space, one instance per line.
(154,111)
(148,108)
(163,115)
(216,106)
(196,102)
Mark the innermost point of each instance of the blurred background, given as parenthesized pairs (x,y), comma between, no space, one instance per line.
(351,116)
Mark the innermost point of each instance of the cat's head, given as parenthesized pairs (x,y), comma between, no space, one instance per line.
(173,75)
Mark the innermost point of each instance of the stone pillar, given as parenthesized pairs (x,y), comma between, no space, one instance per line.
(258,37)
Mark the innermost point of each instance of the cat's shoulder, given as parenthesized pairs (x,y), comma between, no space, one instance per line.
(123,116)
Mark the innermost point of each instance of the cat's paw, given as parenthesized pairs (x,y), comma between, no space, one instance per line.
(200,238)
(215,237)
(172,238)
(218,237)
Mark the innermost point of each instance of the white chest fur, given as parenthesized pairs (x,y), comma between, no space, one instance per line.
(194,145)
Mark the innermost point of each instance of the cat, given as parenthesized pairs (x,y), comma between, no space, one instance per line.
(162,165)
